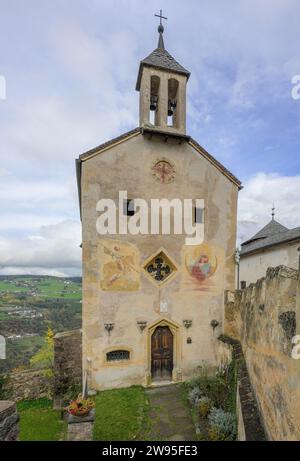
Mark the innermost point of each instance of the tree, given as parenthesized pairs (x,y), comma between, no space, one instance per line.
(44,358)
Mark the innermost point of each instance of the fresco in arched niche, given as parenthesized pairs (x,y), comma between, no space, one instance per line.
(203,268)
(119,266)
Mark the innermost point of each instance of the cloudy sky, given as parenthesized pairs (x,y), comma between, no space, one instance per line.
(70,68)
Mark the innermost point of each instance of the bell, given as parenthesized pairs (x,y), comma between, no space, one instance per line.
(171,106)
(153,103)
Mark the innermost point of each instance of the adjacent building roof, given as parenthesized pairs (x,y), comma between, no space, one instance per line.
(270,235)
(272,228)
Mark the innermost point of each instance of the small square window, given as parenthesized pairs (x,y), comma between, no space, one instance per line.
(128,207)
(198,215)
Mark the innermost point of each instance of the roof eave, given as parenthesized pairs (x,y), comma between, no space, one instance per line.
(268,246)
(145,64)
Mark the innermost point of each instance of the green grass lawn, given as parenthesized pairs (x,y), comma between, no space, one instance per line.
(121,414)
(38,421)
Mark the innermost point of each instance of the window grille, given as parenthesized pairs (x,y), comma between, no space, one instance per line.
(117,355)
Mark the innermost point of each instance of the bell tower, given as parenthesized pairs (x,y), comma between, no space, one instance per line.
(162,85)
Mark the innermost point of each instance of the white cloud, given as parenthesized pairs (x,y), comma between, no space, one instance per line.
(29,203)
(22,190)
(54,249)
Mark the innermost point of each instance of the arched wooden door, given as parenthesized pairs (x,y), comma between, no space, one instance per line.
(162,353)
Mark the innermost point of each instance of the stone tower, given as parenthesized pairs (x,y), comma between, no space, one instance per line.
(162,85)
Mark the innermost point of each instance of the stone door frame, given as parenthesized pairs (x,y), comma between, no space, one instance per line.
(175,329)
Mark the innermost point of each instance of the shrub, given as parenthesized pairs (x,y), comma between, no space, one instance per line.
(194,395)
(204,406)
(216,435)
(44,358)
(213,387)
(223,422)
(231,379)
(4,392)
(194,382)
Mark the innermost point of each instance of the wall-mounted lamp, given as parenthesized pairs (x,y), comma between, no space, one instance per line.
(214,324)
(142,325)
(109,327)
(187,323)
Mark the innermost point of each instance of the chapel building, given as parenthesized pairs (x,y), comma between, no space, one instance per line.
(153,305)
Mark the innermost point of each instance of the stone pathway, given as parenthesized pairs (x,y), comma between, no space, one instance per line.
(81,428)
(170,417)
(80,432)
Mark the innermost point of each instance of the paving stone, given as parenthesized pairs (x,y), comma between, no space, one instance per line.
(80,432)
(178,412)
(170,418)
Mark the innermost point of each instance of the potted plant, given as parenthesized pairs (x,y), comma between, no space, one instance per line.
(80,406)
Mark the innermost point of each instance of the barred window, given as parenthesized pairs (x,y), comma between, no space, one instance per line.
(117,355)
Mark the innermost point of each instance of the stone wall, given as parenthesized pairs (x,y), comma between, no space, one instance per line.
(250,426)
(9,418)
(67,362)
(264,317)
(29,385)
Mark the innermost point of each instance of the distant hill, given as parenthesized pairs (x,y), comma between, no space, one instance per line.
(30,276)
(31,303)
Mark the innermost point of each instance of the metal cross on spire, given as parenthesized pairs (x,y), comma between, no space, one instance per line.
(160,30)
(273,211)
(160,16)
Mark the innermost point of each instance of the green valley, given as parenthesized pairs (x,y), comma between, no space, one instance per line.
(28,306)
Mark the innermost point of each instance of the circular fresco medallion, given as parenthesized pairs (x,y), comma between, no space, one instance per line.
(163,171)
(201,262)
